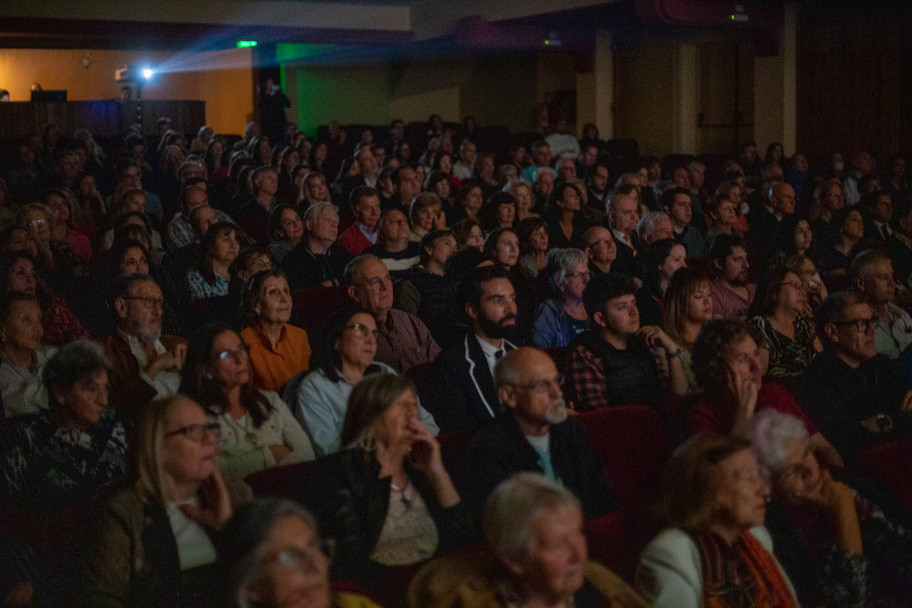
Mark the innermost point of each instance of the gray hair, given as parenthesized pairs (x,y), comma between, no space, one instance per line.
(515,507)
(243,555)
(648,222)
(862,266)
(560,261)
(770,432)
(315,211)
(352,273)
(78,360)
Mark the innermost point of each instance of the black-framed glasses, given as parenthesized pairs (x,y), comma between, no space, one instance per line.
(544,385)
(148,301)
(197,432)
(237,353)
(362,331)
(861,325)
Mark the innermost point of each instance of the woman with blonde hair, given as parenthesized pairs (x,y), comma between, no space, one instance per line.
(155,542)
(688,307)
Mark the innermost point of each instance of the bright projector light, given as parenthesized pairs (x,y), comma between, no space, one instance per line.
(148,73)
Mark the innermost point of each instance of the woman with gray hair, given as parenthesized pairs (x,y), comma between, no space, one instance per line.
(561,318)
(386,498)
(272,557)
(536,555)
(75,448)
(842,541)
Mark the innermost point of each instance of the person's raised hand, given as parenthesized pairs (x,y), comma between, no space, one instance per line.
(216,504)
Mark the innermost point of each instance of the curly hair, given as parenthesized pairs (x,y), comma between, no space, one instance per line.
(711,349)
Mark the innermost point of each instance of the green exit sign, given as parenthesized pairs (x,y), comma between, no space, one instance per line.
(243,44)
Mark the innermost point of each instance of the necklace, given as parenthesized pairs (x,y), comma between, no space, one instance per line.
(406,501)
(242,430)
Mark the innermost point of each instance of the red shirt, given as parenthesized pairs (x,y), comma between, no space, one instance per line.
(716,414)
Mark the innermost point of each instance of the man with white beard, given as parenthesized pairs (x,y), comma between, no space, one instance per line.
(534,433)
(146,363)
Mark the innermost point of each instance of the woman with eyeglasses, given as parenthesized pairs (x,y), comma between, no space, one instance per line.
(272,557)
(561,318)
(343,358)
(788,340)
(257,429)
(386,497)
(155,541)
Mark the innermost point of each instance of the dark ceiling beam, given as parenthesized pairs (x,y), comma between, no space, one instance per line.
(26,32)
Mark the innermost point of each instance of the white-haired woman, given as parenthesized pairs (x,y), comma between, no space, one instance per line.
(561,318)
(536,555)
(842,540)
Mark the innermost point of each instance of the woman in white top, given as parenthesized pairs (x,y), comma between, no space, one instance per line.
(257,430)
(22,356)
(344,356)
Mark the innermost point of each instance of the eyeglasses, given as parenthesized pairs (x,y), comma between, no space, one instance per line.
(861,325)
(36,223)
(238,353)
(293,557)
(148,302)
(583,275)
(197,432)
(362,331)
(377,282)
(544,385)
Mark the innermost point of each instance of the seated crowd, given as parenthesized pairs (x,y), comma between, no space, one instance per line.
(423,336)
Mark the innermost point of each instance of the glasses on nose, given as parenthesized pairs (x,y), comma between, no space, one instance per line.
(378,282)
(197,432)
(238,354)
(544,385)
(362,331)
(293,557)
(861,325)
(582,275)
(148,302)
(37,223)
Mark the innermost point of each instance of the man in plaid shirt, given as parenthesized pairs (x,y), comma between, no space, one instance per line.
(614,363)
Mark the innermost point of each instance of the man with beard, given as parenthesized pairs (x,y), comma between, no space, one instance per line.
(146,363)
(614,362)
(534,433)
(732,294)
(465,396)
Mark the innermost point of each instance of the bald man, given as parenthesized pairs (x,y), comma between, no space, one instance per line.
(533,432)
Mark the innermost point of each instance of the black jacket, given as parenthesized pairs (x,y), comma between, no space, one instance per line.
(500,450)
(350,502)
(462,393)
(305,269)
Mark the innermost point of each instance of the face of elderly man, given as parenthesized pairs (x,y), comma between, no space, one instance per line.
(140,315)
(535,395)
(373,290)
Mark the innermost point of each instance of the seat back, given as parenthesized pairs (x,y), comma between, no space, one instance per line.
(287,481)
(633,443)
(312,306)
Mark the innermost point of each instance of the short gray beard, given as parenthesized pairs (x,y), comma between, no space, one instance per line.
(556,412)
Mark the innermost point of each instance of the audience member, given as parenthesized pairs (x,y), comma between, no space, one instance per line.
(622,218)
(849,225)
(286,229)
(732,292)
(465,395)
(155,543)
(386,498)
(613,363)
(256,429)
(871,275)
(427,292)
(180,231)
(344,357)
(534,433)
(77,447)
(146,363)
(403,341)
(278,350)
(565,222)
(688,307)
(787,338)
(715,551)
(562,317)
(533,246)
(395,248)
(22,356)
(600,248)
(535,553)
(317,260)
(265,184)
(677,203)
(220,248)
(853,395)
(365,204)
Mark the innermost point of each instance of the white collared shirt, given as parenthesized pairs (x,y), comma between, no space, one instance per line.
(165,383)
(490,352)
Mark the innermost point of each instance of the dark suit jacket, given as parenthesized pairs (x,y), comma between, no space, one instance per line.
(128,389)
(464,395)
(500,450)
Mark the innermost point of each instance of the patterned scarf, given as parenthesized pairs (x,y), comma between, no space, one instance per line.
(743,575)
